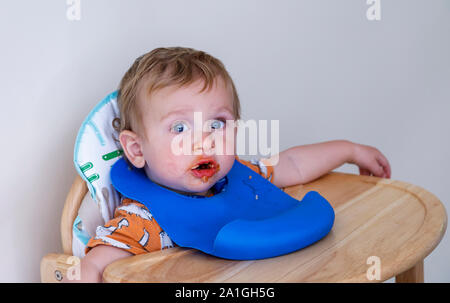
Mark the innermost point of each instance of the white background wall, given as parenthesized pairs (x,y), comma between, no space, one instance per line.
(320,67)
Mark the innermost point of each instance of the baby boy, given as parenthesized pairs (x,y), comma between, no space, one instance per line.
(158,98)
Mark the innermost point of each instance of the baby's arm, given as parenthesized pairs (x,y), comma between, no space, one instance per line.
(96,260)
(302,164)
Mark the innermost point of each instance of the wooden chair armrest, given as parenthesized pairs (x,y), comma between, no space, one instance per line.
(70,211)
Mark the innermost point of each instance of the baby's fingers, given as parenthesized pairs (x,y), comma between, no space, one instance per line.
(373,169)
(385,164)
(376,169)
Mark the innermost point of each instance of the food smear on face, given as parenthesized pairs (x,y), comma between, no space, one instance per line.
(205,169)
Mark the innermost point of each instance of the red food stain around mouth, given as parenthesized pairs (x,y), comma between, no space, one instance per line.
(204,168)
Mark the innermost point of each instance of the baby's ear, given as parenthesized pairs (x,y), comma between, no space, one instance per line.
(132,148)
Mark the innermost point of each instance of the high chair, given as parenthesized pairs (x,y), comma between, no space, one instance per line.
(383,228)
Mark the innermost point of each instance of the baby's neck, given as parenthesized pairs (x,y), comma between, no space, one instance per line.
(205,193)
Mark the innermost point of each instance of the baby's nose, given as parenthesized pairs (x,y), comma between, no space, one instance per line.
(204,143)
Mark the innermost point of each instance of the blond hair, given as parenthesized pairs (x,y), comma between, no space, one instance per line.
(164,67)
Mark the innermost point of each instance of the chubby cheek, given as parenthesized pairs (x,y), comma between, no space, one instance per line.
(164,165)
(226,154)
(223,141)
(226,162)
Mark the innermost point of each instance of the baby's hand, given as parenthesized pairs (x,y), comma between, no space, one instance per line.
(370,161)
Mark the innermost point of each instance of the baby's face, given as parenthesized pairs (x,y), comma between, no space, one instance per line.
(168,116)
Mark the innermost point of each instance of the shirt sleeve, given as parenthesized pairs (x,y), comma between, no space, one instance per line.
(132,229)
(259,166)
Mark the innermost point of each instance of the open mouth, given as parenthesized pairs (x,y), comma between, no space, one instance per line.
(205,168)
(204,165)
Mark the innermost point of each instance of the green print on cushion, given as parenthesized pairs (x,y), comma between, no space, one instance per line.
(112,155)
(87,166)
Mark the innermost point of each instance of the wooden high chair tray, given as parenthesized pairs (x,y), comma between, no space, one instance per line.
(397,222)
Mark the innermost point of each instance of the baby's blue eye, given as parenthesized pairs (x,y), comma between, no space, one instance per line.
(216,124)
(179,127)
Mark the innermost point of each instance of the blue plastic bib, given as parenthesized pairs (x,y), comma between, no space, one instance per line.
(250,219)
